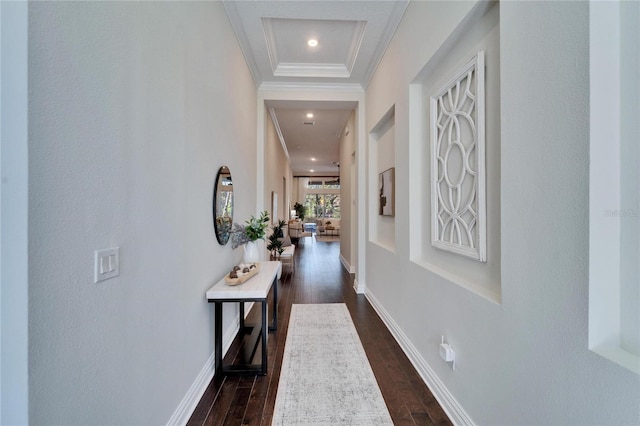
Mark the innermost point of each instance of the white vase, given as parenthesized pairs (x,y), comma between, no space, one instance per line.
(251,252)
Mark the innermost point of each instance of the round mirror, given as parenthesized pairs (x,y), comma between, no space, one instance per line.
(223,205)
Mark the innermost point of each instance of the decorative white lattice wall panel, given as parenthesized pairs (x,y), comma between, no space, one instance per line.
(458,197)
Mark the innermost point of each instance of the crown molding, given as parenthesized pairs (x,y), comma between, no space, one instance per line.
(310,87)
(276,124)
(312,70)
(234,19)
(392,24)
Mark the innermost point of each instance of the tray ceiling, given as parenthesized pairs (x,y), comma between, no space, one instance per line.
(351,39)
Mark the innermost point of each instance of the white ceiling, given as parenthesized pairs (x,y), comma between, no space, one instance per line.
(352,37)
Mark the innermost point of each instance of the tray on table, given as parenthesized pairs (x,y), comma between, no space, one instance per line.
(243,278)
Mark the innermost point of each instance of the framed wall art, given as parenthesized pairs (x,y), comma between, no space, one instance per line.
(386,186)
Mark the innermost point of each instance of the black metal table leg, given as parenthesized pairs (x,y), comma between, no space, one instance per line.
(264,338)
(274,326)
(218,337)
(241,316)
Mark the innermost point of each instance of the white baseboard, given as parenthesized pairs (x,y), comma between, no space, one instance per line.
(449,404)
(190,401)
(350,269)
(358,287)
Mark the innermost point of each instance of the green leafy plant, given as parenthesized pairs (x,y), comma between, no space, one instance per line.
(274,242)
(299,208)
(254,229)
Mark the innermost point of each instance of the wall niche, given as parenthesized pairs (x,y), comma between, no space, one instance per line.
(470,259)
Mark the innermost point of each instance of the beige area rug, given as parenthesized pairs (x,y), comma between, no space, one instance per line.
(327,238)
(326,378)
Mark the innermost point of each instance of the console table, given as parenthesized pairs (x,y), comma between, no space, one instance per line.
(256,289)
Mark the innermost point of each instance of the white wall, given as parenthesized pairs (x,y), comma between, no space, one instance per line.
(347,196)
(133,108)
(525,360)
(276,168)
(14,318)
(630,177)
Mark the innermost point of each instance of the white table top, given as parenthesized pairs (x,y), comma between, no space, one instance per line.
(256,287)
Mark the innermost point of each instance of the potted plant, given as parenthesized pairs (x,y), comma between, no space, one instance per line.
(274,240)
(246,235)
(299,208)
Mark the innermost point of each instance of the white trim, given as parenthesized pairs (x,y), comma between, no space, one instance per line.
(311,87)
(392,25)
(449,404)
(350,269)
(359,287)
(356,42)
(459,280)
(261,135)
(276,124)
(361,169)
(243,42)
(311,70)
(187,406)
(270,39)
(417,148)
(322,70)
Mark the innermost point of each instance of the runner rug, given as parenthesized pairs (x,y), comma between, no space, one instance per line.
(326,378)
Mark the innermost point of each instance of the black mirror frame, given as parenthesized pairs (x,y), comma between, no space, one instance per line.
(223,238)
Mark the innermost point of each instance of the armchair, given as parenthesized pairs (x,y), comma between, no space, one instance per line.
(296,231)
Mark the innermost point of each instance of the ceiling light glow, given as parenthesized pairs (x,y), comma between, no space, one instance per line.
(309,115)
(312,42)
(313,158)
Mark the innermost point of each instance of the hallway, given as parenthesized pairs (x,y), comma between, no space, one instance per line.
(320,278)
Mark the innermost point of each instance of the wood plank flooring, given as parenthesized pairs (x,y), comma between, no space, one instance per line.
(319,278)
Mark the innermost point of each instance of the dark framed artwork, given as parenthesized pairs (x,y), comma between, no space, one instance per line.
(386,186)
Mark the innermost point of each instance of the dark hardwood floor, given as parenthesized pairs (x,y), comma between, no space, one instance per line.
(319,278)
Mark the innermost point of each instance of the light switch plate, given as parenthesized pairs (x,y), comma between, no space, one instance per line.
(107,264)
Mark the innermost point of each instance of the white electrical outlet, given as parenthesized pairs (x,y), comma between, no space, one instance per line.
(107,264)
(447,353)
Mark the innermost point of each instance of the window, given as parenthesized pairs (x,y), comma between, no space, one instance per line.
(314,184)
(324,183)
(322,197)
(322,205)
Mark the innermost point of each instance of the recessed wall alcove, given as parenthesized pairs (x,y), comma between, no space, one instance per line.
(478,32)
(382,144)
(614,183)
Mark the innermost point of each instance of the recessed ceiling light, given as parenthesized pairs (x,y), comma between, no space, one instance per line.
(313,158)
(312,42)
(309,115)
(312,170)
